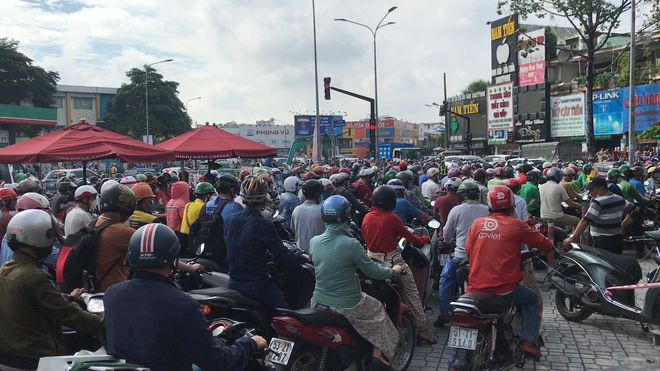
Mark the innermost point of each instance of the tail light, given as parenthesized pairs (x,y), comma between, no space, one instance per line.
(205,309)
(464,320)
(287,326)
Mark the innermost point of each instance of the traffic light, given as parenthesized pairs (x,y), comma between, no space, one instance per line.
(326,87)
(443,110)
(372,137)
(468,140)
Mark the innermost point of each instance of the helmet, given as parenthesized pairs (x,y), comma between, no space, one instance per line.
(291,184)
(153,245)
(7,194)
(327,184)
(311,187)
(335,209)
(479,174)
(513,184)
(431,172)
(396,184)
(204,188)
(85,191)
(568,171)
(468,191)
(32,200)
(554,174)
(405,177)
(118,197)
(533,175)
(339,178)
(275,170)
(587,168)
(27,185)
(500,198)
(391,174)
(226,182)
(107,183)
(365,173)
(254,190)
(525,168)
(651,169)
(453,183)
(128,180)
(466,170)
(547,165)
(140,178)
(320,170)
(163,179)
(574,167)
(648,164)
(310,175)
(35,228)
(403,165)
(384,197)
(345,171)
(623,169)
(499,172)
(613,173)
(142,190)
(637,170)
(243,174)
(63,188)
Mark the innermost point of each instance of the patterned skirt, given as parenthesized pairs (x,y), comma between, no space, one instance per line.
(370,320)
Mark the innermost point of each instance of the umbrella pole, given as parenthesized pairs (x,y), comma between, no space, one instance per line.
(85,172)
(183,169)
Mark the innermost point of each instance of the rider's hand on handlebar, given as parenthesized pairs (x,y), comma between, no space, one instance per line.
(397,270)
(425,239)
(261,342)
(76,293)
(567,243)
(198,268)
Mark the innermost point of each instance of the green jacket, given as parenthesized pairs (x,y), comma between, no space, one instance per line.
(336,258)
(33,311)
(581,180)
(421,197)
(530,192)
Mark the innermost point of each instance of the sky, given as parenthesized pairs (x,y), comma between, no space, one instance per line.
(253,60)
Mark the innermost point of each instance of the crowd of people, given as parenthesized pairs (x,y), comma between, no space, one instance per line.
(147,221)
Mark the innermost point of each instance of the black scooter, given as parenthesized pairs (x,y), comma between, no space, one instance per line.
(584,274)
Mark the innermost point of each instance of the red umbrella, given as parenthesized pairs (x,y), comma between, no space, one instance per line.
(209,142)
(82,142)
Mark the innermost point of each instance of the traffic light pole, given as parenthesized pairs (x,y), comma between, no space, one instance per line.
(372,119)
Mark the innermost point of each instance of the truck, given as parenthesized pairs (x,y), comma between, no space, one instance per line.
(389,151)
(564,150)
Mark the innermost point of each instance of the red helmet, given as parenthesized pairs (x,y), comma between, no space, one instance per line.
(513,184)
(500,198)
(479,174)
(243,174)
(7,194)
(499,172)
(310,175)
(345,171)
(321,170)
(403,165)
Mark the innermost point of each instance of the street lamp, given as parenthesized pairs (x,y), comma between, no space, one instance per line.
(191,100)
(146,91)
(374,32)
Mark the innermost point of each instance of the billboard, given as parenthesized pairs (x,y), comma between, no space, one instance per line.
(531,58)
(567,116)
(499,100)
(647,106)
(608,112)
(503,43)
(304,124)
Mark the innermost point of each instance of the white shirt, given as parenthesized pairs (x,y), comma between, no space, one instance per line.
(429,188)
(75,220)
(520,208)
(552,195)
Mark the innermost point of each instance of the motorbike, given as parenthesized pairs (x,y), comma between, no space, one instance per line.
(484,330)
(314,339)
(584,275)
(421,260)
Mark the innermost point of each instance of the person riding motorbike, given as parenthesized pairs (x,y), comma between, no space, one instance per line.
(81,215)
(362,190)
(530,192)
(136,310)
(337,257)
(480,178)
(520,208)
(8,200)
(33,310)
(203,193)
(142,214)
(358,210)
(404,209)
(381,230)
(413,194)
(176,205)
(493,249)
(567,182)
(445,203)
(289,200)
(248,235)
(306,221)
(613,177)
(28,185)
(631,194)
(552,195)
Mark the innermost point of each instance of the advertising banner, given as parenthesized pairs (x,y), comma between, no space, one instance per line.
(304,124)
(567,116)
(647,106)
(499,100)
(531,58)
(530,131)
(608,112)
(503,42)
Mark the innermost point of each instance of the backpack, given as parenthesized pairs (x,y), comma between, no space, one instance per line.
(208,230)
(78,257)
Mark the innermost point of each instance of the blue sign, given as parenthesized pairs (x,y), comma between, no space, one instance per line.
(304,124)
(608,112)
(647,106)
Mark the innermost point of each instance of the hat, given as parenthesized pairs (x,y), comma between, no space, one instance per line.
(597,182)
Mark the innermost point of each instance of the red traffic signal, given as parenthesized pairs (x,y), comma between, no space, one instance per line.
(372,127)
(326,87)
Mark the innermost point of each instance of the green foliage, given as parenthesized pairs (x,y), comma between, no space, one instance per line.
(127,110)
(476,86)
(652,132)
(642,73)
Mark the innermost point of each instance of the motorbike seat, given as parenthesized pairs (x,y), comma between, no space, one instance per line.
(653,234)
(627,264)
(317,317)
(486,302)
(227,293)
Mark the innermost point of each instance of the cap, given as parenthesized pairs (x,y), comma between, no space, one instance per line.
(597,182)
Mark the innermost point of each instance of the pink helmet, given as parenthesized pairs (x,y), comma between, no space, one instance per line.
(32,200)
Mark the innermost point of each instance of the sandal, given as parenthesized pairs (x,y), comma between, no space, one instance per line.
(428,339)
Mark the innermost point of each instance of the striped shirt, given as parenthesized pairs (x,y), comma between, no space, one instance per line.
(606,213)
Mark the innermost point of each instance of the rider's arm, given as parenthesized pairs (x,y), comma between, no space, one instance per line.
(402,231)
(581,227)
(639,198)
(573,204)
(368,266)
(532,237)
(449,229)
(270,238)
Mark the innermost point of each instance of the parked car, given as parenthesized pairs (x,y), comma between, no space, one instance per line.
(49,182)
(139,170)
(492,159)
(455,159)
(604,167)
(517,161)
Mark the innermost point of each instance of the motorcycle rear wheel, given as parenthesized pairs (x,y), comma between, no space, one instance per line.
(307,358)
(478,358)
(571,311)
(405,348)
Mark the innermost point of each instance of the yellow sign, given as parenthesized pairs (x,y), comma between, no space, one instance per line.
(466,109)
(504,30)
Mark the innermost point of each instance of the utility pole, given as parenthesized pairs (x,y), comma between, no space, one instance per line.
(447,113)
(632,141)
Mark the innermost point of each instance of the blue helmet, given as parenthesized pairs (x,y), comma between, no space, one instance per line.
(554,174)
(396,184)
(152,246)
(335,209)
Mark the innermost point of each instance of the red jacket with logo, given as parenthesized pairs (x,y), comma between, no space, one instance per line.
(493,249)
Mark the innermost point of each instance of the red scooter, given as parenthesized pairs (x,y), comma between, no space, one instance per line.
(313,339)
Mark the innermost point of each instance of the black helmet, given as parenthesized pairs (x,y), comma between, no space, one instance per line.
(311,187)
(71,192)
(384,197)
(406,177)
(64,186)
(526,168)
(153,245)
(254,190)
(468,191)
(118,197)
(335,209)
(225,182)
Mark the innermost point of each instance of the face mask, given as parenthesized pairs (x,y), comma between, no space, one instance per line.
(152,206)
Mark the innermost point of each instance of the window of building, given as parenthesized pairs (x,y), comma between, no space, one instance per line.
(82,103)
(59,102)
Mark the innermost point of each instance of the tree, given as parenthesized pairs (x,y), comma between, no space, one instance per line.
(20,80)
(476,86)
(591,19)
(127,110)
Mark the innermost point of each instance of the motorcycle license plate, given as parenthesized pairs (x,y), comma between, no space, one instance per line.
(444,258)
(280,351)
(463,338)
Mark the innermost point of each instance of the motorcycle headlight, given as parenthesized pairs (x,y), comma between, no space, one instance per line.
(95,306)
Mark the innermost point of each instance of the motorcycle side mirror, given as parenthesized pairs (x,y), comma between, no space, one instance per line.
(434,224)
(585,197)
(402,243)
(432,203)
(200,249)
(657,259)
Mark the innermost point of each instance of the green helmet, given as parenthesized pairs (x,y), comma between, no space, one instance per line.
(389,176)
(613,173)
(587,168)
(624,169)
(204,188)
(468,191)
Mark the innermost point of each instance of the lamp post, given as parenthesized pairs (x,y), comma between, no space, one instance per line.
(146,90)
(191,100)
(374,32)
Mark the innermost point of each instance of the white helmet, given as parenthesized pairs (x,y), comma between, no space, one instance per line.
(36,228)
(291,184)
(32,200)
(128,180)
(84,191)
(107,184)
